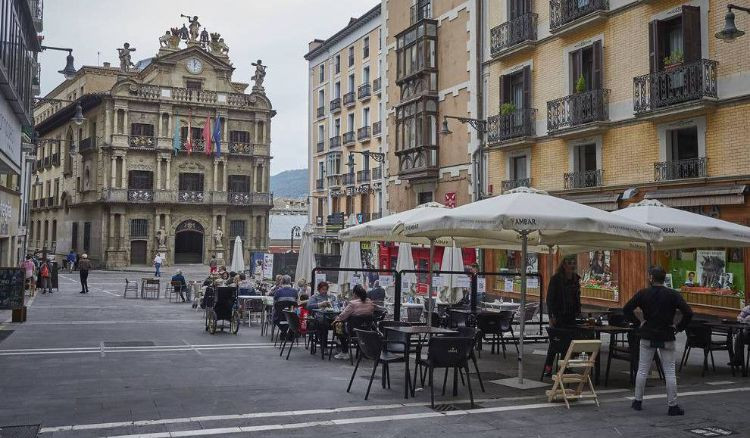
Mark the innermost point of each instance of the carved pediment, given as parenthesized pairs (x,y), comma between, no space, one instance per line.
(191,165)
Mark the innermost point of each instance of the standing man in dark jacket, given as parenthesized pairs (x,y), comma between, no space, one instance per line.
(659,305)
(84,265)
(563,301)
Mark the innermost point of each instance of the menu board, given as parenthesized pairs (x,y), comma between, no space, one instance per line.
(11,288)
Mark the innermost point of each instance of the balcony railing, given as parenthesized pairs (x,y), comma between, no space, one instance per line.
(334,142)
(521,123)
(239,198)
(363,133)
(319,184)
(350,98)
(681,169)
(376,84)
(334,180)
(363,176)
(510,184)
(363,92)
(140,195)
(578,109)
(562,12)
(377,173)
(377,128)
(321,146)
(191,196)
(198,145)
(141,141)
(87,144)
(579,180)
(241,148)
(418,162)
(348,179)
(678,84)
(335,104)
(513,32)
(155,92)
(348,137)
(321,111)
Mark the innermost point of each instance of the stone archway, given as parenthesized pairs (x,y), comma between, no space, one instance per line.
(188,242)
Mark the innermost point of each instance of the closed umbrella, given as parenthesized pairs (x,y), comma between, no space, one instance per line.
(453,260)
(238,260)
(351,257)
(528,215)
(405,261)
(306,258)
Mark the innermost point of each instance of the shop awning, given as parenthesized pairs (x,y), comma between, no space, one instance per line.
(602,201)
(728,194)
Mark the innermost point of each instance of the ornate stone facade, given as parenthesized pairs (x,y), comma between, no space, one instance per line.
(140,161)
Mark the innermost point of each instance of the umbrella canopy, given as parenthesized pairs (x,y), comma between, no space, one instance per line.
(453,260)
(406,261)
(306,259)
(383,229)
(238,260)
(351,257)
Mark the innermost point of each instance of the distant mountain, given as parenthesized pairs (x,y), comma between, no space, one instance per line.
(290,184)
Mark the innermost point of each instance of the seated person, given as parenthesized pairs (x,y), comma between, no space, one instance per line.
(180,288)
(739,340)
(377,293)
(231,279)
(320,299)
(246,286)
(360,305)
(285,293)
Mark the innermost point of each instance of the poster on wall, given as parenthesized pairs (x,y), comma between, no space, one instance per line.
(532,263)
(256,261)
(268,266)
(711,267)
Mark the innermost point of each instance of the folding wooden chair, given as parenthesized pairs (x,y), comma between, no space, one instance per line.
(585,352)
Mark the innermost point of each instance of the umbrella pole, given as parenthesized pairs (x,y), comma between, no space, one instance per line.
(430,304)
(648,260)
(521,310)
(550,268)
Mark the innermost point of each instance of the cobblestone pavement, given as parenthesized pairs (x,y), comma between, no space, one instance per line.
(100,365)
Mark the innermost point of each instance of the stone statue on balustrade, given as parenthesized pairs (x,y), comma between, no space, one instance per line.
(204,38)
(217,45)
(259,76)
(124,55)
(161,238)
(194,27)
(218,237)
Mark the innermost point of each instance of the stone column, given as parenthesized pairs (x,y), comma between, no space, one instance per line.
(124,179)
(114,172)
(168,176)
(108,125)
(122,231)
(111,230)
(125,128)
(216,171)
(224,175)
(158,173)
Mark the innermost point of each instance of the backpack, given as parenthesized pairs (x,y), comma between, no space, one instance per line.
(45,270)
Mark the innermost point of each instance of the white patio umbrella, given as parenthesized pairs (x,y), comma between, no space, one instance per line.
(453,260)
(351,257)
(405,261)
(527,215)
(238,260)
(306,259)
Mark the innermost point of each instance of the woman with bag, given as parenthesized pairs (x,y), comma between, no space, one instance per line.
(45,274)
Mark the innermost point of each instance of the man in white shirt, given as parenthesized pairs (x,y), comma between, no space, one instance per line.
(157,265)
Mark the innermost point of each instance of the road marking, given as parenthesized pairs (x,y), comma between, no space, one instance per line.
(720,382)
(158,321)
(101,349)
(191,346)
(692,393)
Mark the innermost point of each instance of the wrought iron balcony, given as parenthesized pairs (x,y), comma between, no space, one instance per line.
(363,92)
(376,84)
(578,109)
(562,12)
(319,184)
(321,146)
(348,137)
(348,179)
(377,128)
(511,33)
(241,148)
(510,184)
(681,169)
(363,133)
(334,180)
(141,141)
(675,85)
(334,142)
(520,123)
(198,145)
(239,198)
(363,176)
(321,111)
(377,173)
(191,196)
(579,180)
(418,163)
(335,104)
(87,144)
(350,98)
(140,195)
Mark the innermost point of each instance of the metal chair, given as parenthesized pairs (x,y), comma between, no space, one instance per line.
(449,352)
(292,333)
(130,286)
(495,326)
(371,347)
(699,336)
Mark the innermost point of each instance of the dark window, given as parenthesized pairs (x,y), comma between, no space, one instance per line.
(683,144)
(54,230)
(320,207)
(138,228)
(86,236)
(322,75)
(337,64)
(140,179)
(676,40)
(193,85)
(587,63)
(143,129)
(416,124)
(239,136)
(349,205)
(191,182)
(196,133)
(585,157)
(239,183)
(366,48)
(518,167)
(515,88)
(364,201)
(237,228)
(424,197)
(517,8)
(351,56)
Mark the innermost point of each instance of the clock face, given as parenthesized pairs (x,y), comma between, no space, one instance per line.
(194,65)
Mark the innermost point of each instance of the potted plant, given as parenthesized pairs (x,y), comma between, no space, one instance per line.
(580,84)
(674,60)
(507,108)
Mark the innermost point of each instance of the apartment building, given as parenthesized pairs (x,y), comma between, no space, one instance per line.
(345,128)
(611,102)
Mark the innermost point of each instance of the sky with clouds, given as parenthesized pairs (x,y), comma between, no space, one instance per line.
(276,31)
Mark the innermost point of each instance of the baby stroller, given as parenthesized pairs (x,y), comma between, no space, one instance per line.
(221,305)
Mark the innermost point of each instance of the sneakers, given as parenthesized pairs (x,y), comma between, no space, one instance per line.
(675,410)
(637,405)
(342,356)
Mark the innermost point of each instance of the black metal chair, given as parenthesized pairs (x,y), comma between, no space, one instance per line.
(474,334)
(699,336)
(371,345)
(630,352)
(354,324)
(292,333)
(449,352)
(493,328)
(279,322)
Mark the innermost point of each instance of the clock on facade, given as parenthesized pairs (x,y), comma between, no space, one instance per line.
(194,65)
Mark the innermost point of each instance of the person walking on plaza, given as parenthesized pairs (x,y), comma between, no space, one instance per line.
(563,302)
(84,265)
(72,258)
(45,273)
(213,265)
(28,269)
(658,305)
(157,264)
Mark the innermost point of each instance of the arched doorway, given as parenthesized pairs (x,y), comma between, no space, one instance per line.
(188,242)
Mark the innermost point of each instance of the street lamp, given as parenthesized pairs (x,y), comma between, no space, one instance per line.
(77,118)
(69,71)
(295,233)
(730,31)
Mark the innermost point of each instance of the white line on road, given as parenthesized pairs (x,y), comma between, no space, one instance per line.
(692,393)
(132,321)
(144,349)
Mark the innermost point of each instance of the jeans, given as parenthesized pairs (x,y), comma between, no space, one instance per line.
(158,268)
(46,284)
(84,274)
(667,355)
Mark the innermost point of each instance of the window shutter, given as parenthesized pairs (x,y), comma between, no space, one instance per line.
(575,69)
(527,87)
(597,80)
(512,12)
(526,7)
(691,33)
(504,89)
(653,46)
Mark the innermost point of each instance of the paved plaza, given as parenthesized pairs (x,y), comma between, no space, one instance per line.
(99,365)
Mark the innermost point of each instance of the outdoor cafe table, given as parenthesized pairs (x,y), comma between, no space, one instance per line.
(410,331)
(267,301)
(732,329)
(612,330)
